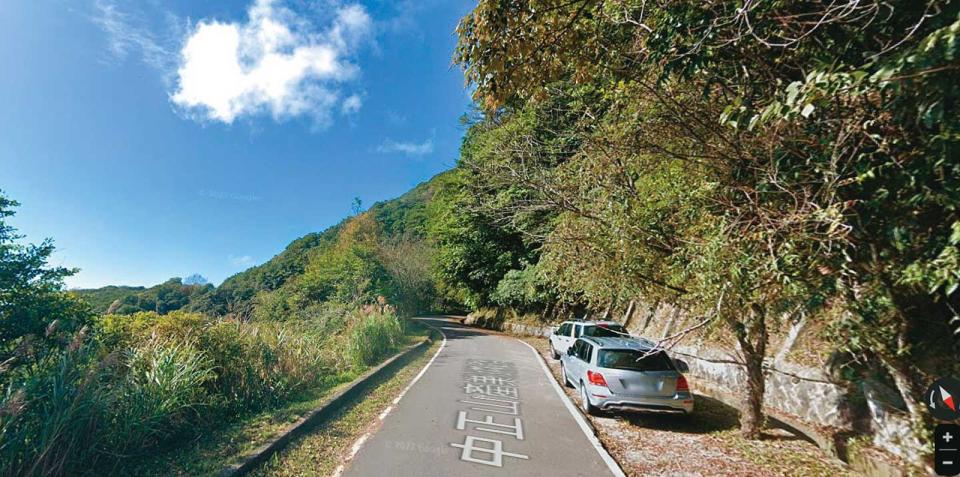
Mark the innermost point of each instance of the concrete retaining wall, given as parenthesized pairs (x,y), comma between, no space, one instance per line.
(501,323)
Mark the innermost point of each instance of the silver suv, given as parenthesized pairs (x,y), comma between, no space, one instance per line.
(564,335)
(625,374)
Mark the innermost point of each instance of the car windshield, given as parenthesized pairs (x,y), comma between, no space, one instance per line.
(634,360)
(602,331)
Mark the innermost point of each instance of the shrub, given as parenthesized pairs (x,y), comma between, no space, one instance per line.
(51,420)
(373,337)
(160,395)
(122,331)
(522,289)
(260,364)
(143,380)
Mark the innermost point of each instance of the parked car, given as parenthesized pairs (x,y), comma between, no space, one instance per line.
(568,332)
(625,374)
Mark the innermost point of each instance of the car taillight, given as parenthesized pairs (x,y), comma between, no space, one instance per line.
(596,379)
(682,386)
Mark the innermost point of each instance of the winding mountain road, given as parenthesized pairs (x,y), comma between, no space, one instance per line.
(484,405)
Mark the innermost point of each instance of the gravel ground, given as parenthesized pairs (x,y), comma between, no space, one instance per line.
(704,444)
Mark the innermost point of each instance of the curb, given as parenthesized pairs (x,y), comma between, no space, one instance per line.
(589,430)
(329,406)
(585,425)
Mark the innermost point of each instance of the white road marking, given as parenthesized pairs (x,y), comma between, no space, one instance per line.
(604,455)
(383,415)
(357,445)
(515,430)
(495,451)
(419,375)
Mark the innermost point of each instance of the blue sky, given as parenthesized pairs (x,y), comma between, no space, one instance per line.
(157,139)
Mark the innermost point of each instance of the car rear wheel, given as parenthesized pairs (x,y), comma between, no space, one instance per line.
(585,401)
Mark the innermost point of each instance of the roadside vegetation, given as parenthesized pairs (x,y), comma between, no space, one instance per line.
(225,444)
(753,163)
(322,451)
(89,393)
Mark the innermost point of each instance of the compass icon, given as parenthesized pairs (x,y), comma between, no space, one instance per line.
(943,399)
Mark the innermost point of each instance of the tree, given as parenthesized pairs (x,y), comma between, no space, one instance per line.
(821,151)
(409,263)
(349,271)
(37,318)
(473,253)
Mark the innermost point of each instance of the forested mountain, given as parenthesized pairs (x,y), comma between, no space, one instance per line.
(168,296)
(364,242)
(101,298)
(392,233)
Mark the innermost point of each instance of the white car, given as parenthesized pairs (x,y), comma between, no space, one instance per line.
(626,374)
(567,333)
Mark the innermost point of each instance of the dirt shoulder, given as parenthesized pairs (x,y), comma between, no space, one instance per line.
(707,443)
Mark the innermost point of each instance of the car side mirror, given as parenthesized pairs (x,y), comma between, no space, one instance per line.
(570,351)
(682,365)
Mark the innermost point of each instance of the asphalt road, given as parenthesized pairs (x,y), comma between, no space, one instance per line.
(483,406)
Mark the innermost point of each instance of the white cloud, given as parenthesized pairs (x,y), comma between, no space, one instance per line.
(128,34)
(241,261)
(351,105)
(408,148)
(276,62)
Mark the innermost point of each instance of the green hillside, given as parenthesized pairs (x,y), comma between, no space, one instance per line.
(396,223)
(168,296)
(102,298)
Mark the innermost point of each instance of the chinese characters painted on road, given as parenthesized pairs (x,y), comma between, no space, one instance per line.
(490,388)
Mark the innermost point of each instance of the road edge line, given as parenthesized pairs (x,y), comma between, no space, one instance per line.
(581,421)
(358,444)
(335,401)
(443,344)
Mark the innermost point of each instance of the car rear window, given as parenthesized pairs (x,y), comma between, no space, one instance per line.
(634,360)
(601,331)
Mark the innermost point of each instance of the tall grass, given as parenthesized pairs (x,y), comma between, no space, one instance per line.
(161,395)
(258,365)
(51,420)
(144,380)
(374,337)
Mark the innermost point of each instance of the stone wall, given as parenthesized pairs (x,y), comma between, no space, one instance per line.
(795,390)
(804,396)
(496,320)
